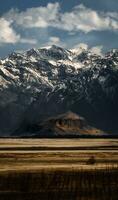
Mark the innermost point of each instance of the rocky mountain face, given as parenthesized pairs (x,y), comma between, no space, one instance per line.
(41,83)
(64,125)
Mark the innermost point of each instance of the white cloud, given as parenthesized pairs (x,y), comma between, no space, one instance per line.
(55,41)
(7,34)
(36,17)
(86,20)
(97,50)
(29,41)
(79,18)
(82,46)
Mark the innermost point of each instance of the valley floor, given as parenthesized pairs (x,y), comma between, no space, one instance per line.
(65,169)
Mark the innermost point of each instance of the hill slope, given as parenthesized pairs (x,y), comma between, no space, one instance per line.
(68,124)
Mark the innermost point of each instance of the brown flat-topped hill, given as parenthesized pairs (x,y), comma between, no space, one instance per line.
(68,115)
(67,124)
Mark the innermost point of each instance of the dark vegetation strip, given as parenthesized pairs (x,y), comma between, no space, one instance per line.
(98,184)
(108,136)
(47,148)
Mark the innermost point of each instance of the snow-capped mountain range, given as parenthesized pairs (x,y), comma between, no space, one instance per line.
(42,82)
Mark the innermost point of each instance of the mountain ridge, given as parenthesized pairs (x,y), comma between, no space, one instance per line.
(49,81)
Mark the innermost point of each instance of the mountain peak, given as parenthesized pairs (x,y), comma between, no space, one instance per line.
(32,52)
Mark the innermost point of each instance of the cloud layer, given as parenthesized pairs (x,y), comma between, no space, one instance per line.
(95,49)
(85,19)
(80,18)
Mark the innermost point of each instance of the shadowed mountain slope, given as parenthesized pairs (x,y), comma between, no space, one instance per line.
(46,82)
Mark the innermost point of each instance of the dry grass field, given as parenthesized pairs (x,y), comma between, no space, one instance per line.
(59,169)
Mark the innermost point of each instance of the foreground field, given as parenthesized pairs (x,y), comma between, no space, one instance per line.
(60,184)
(58,169)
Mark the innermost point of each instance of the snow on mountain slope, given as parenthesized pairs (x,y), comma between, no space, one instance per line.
(41,82)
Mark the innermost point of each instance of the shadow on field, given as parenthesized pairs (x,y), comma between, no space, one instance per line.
(99,184)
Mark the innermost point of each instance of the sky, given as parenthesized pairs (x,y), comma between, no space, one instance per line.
(26,24)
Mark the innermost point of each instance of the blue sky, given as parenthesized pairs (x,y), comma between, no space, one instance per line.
(68,23)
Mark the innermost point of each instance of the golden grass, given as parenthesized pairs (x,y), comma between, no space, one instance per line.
(27,174)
